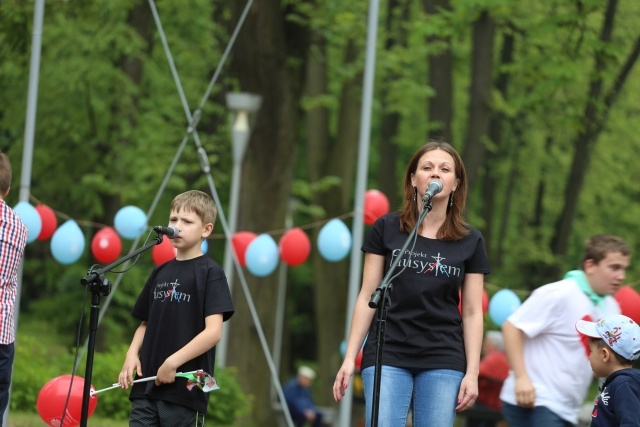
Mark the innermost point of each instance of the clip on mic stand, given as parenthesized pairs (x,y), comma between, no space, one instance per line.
(100,286)
(382,293)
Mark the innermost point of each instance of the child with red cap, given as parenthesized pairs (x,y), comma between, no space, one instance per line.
(614,344)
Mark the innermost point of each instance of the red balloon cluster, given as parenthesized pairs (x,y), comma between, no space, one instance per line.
(49,221)
(53,397)
(106,245)
(376,204)
(629,301)
(240,241)
(163,252)
(294,247)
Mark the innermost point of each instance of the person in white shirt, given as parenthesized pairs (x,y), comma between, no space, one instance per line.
(550,372)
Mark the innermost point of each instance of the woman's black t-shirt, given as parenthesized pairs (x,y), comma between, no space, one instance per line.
(423,325)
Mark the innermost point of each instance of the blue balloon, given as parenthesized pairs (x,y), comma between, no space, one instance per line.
(204,246)
(262,255)
(502,304)
(67,243)
(29,217)
(334,240)
(130,222)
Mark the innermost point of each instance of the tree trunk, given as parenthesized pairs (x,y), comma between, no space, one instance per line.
(480,92)
(268,60)
(585,140)
(331,279)
(498,154)
(440,79)
(387,173)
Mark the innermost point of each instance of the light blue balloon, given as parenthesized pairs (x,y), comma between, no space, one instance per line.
(334,240)
(31,218)
(262,255)
(67,243)
(502,304)
(130,222)
(204,246)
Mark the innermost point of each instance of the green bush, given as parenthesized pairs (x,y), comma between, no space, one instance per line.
(34,367)
(229,403)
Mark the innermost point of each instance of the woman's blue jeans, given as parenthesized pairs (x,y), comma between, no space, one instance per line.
(431,395)
(517,416)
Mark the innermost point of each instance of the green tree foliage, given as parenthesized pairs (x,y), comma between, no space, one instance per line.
(110,121)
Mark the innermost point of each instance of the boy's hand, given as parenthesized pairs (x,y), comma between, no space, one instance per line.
(131,365)
(166,373)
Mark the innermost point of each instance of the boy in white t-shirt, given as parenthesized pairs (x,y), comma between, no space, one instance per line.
(540,390)
(614,342)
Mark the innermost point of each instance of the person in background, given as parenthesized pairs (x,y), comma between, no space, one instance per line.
(181,309)
(614,342)
(543,389)
(494,369)
(297,393)
(431,351)
(13,239)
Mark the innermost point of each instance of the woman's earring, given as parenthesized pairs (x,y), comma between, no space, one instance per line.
(451,200)
(415,194)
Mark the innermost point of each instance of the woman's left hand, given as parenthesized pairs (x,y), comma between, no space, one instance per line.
(468,392)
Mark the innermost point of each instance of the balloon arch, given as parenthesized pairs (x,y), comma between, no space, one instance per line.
(260,254)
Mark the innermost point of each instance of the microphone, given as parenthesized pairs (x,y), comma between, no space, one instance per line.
(435,186)
(170,232)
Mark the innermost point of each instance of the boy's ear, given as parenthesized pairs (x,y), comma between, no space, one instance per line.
(606,355)
(207,230)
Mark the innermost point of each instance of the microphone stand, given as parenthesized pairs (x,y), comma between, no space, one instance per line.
(383,293)
(100,286)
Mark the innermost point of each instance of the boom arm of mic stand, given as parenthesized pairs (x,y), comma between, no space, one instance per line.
(93,275)
(384,285)
(95,279)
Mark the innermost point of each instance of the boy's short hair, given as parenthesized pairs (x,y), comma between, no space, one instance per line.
(619,332)
(196,201)
(5,174)
(598,246)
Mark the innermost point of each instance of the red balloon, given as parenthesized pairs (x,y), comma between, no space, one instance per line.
(106,245)
(240,241)
(629,301)
(295,247)
(376,204)
(359,360)
(163,252)
(485,302)
(49,221)
(53,396)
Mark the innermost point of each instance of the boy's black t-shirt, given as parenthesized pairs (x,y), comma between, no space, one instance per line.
(174,302)
(424,326)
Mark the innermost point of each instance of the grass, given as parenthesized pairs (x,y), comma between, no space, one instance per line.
(24,419)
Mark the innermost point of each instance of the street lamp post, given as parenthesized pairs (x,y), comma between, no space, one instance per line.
(243,106)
